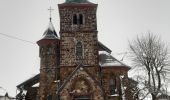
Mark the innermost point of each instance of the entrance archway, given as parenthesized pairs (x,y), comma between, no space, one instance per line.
(81,89)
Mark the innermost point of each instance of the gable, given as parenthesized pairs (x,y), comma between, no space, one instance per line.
(81,82)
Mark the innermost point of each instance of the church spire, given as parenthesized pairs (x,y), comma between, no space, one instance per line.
(50,32)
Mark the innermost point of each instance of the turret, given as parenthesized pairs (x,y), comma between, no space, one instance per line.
(49,62)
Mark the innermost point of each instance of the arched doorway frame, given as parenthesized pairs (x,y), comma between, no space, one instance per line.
(86,95)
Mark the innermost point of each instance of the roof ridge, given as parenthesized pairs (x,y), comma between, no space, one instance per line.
(69,77)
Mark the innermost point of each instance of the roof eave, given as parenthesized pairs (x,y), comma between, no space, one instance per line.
(102,47)
(33,80)
(116,67)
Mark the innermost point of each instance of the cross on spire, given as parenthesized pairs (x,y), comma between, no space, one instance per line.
(50,10)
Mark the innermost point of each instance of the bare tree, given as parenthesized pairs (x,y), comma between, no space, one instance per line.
(150,54)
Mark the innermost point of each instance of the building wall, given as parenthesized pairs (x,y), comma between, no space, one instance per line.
(68,48)
(120,78)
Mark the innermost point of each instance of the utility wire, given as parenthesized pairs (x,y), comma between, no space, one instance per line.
(16,38)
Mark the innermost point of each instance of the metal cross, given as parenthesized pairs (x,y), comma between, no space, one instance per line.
(50,9)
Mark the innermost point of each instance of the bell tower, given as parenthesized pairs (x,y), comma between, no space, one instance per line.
(78,33)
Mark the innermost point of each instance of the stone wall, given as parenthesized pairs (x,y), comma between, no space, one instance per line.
(85,33)
(49,63)
(67,11)
(114,73)
(68,48)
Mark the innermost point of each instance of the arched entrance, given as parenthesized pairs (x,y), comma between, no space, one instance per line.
(81,89)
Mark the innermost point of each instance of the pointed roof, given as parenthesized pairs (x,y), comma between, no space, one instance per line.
(50,32)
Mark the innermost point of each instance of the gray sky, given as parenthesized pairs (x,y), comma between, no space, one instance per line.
(118,22)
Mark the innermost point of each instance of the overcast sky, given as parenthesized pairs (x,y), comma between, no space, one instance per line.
(118,22)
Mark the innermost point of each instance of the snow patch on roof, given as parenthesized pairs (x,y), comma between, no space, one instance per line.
(36,85)
(50,26)
(50,33)
(106,59)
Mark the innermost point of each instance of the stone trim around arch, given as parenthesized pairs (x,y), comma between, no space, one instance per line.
(87,87)
(81,87)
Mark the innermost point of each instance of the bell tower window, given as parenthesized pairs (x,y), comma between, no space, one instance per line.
(75,19)
(80,18)
(79,49)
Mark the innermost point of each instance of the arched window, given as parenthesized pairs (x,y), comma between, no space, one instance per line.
(79,49)
(112,86)
(80,19)
(75,19)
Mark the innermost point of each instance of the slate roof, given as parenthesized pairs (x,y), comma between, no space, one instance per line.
(107,60)
(50,32)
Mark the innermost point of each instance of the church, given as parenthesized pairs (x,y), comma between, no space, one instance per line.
(74,64)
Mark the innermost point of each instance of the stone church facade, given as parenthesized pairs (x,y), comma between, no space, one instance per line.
(76,66)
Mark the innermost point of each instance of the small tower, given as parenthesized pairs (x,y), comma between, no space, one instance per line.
(49,63)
